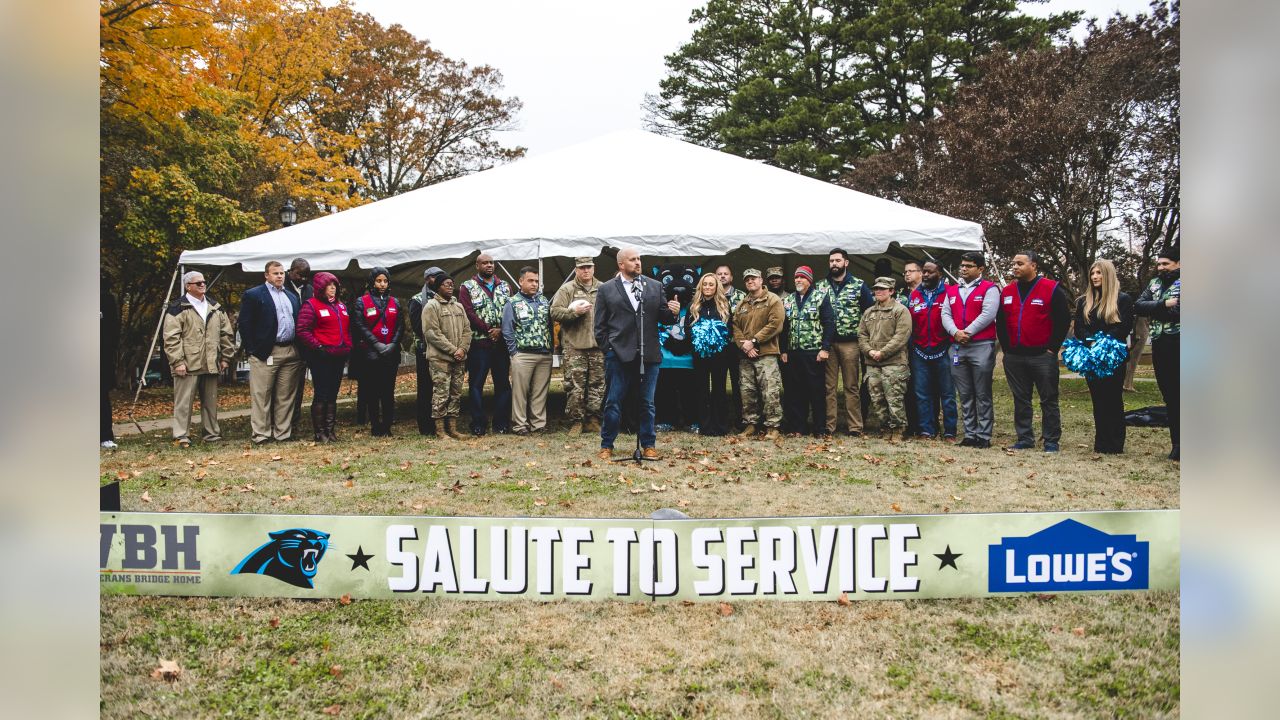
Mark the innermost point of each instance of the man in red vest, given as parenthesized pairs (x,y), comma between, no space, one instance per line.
(969,315)
(1031,324)
(929,356)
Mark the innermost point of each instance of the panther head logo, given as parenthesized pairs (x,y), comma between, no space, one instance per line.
(293,556)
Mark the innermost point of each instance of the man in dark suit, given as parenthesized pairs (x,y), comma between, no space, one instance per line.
(298,282)
(267,322)
(621,303)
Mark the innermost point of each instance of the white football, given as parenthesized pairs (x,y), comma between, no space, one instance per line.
(578,305)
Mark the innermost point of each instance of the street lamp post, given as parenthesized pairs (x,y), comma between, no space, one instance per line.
(288,214)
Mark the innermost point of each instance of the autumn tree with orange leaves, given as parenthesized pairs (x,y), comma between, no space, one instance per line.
(213,112)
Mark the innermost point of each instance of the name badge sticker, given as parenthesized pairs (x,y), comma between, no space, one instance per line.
(371,312)
(1008,300)
(324,313)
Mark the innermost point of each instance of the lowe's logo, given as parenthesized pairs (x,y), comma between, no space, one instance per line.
(1067,556)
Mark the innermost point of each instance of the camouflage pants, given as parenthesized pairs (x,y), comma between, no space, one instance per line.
(583,383)
(761,383)
(446,388)
(887,386)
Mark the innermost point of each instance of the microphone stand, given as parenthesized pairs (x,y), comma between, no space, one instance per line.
(638,454)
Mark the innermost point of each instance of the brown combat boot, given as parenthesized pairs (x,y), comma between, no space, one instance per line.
(772,434)
(442,431)
(592,425)
(575,429)
(451,430)
(747,431)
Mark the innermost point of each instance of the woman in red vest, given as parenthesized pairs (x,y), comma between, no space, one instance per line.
(378,326)
(1103,308)
(324,327)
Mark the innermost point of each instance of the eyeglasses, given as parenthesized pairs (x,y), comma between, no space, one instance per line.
(197,282)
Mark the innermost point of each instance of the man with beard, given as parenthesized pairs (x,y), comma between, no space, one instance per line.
(1031,324)
(806,345)
(733,296)
(483,297)
(930,371)
(1162,302)
(849,298)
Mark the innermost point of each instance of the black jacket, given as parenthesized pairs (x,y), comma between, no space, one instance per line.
(362,327)
(616,321)
(257,320)
(1086,328)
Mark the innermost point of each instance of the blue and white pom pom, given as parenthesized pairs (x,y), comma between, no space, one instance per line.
(710,336)
(1098,360)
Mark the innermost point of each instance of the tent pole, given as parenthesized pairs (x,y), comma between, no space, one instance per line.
(541,285)
(146,362)
(214,280)
(508,272)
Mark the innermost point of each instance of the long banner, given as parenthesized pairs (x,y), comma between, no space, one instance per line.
(817,558)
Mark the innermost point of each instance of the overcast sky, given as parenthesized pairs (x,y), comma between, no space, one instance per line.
(582,67)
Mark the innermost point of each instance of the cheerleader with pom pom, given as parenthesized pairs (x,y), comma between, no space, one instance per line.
(1103,321)
(708,324)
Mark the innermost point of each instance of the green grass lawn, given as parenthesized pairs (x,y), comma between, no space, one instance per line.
(1039,656)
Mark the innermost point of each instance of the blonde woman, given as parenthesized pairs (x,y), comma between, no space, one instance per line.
(1103,308)
(708,324)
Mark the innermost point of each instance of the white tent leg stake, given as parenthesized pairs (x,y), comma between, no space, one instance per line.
(146,362)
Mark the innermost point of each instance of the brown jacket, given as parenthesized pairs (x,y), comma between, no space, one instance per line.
(759,319)
(445,328)
(886,328)
(198,344)
(577,332)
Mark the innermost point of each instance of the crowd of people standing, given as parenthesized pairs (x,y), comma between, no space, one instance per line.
(766,362)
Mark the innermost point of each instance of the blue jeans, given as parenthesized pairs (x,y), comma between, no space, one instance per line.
(931,381)
(481,362)
(619,376)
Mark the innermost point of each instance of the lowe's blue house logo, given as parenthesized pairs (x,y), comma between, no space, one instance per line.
(1067,556)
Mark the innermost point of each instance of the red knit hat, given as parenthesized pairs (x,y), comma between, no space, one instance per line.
(805,272)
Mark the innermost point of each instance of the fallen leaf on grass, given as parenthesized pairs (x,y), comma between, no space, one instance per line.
(122,475)
(293,660)
(655,488)
(332,709)
(873,459)
(146,497)
(1079,631)
(843,600)
(349,483)
(947,459)
(539,502)
(246,453)
(248,487)
(168,670)
(417,506)
(381,474)
(456,487)
(201,474)
(687,603)
(473,474)
(725,609)
(555,683)
(275,622)
(637,491)
(1031,474)
(335,670)
(683,503)
(345,599)
(326,461)
(276,458)
(896,507)
(406,465)
(345,466)
(587,463)
(957,498)
(286,498)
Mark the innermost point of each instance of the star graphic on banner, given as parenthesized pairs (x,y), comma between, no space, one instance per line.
(359,559)
(947,558)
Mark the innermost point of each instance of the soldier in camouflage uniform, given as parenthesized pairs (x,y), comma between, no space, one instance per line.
(849,298)
(882,338)
(574,308)
(756,327)
(526,329)
(1162,302)
(733,295)
(806,348)
(447,334)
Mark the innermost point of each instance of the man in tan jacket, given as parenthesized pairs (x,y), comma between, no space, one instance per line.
(447,333)
(199,344)
(757,322)
(574,308)
(882,338)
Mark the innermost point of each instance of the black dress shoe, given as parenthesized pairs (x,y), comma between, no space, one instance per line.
(966,442)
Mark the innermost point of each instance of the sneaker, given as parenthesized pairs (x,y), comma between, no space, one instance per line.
(695,428)
(949,438)
(1051,447)
(663,427)
(109,445)
(1021,446)
(981,443)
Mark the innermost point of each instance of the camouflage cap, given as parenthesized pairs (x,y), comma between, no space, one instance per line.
(584,262)
(750,272)
(884,283)
(775,271)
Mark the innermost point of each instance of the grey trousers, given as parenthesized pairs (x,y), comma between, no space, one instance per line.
(1041,372)
(185,389)
(971,368)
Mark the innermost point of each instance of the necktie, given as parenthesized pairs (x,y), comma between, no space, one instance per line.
(636,291)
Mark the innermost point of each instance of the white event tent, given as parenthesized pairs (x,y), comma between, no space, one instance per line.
(664,196)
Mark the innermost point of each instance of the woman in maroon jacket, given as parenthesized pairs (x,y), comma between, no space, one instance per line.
(324,327)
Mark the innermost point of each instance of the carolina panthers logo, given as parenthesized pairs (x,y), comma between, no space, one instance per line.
(292,556)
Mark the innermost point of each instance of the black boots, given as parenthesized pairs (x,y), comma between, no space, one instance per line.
(330,421)
(317,420)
